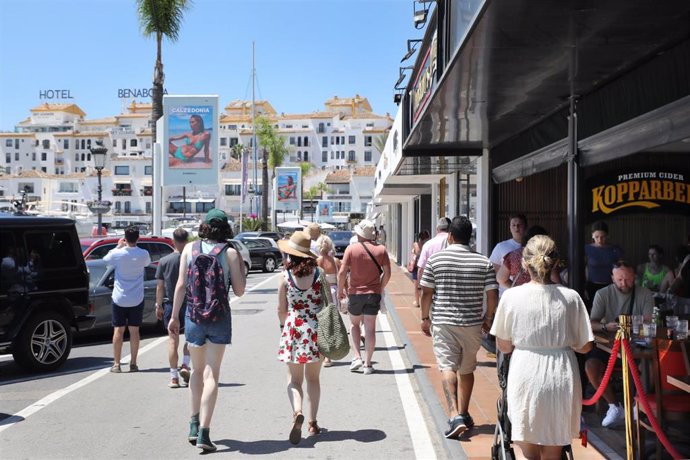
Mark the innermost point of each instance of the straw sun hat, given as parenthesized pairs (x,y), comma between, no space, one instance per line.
(298,245)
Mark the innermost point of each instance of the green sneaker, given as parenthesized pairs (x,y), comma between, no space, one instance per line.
(193,429)
(204,441)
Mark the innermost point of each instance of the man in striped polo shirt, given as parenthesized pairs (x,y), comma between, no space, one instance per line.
(455,280)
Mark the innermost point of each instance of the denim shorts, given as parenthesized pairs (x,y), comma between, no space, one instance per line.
(367,304)
(128,316)
(167,314)
(218,332)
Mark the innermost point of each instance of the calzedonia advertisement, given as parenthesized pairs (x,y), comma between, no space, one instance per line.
(190,142)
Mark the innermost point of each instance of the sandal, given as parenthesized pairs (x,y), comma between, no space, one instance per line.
(115,369)
(314,429)
(296,431)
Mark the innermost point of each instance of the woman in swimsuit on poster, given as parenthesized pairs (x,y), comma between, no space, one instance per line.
(194,141)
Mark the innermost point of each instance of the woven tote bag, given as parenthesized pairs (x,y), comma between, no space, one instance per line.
(331,334)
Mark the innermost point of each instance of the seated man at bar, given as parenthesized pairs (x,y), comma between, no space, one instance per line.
(622,297)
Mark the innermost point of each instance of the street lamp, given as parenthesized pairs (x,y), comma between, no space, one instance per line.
(98,154)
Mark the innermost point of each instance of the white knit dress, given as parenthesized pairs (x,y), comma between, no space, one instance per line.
(545,323)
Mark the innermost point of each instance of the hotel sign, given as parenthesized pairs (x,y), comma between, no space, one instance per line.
(55,94)
(640,191)
(425,81)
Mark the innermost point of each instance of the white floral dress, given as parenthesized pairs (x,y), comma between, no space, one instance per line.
(298,340)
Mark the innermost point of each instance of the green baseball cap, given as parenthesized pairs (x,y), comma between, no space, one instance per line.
(216,213)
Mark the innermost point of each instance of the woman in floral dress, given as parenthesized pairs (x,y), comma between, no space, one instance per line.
(299,299)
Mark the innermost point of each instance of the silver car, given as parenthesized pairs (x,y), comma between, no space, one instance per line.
(244,252)
(101,282)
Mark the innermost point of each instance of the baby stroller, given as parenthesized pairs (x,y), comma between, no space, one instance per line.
(502,447)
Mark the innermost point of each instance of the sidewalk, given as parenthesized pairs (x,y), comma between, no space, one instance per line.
(478,441)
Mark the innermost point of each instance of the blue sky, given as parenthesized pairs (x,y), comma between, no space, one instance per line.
(306,52)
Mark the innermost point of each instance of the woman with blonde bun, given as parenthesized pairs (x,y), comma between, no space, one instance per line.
(543,325)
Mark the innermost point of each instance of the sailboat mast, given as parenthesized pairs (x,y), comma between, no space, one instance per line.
(256,182)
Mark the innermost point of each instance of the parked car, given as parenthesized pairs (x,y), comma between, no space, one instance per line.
(263,254)
(97,248)
(101,282)
(275,236)
(44,290)
(244,252)
(341,240)
(270,241)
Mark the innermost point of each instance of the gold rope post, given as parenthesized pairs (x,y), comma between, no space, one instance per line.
(624,334)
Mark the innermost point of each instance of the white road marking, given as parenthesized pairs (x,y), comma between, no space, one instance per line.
(419,432)
(51,398)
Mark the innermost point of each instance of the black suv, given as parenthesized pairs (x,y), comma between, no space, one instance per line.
(44,290)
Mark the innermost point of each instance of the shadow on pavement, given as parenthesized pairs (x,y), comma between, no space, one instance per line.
(16,374)
(265,447)
(477,430)
(6,419)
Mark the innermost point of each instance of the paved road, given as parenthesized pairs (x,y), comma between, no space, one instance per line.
(83,411)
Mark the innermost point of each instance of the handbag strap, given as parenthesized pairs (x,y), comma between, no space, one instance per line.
(325,289)
(372,257)
(519,274)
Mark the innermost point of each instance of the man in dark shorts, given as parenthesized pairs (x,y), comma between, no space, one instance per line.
(369,268)
(128,294)
(166,273)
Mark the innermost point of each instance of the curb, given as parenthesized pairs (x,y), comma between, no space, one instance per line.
(430,402)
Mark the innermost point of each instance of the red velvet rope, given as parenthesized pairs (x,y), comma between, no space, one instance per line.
(645,403)
(607,375)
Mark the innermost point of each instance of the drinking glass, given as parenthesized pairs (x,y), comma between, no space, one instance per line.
(682,329)
(671,322)
(637,321)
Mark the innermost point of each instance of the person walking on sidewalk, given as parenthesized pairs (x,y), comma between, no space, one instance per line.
(207,266)
(299,299)
(417,246)
(369,268)
(330,266)
(453,286)
(129,262)
(432,246)
(167,272)
(543,324)
(518,227)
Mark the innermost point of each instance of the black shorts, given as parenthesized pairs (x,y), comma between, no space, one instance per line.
(367,304)
(601,355)
(128,316)
(167,314)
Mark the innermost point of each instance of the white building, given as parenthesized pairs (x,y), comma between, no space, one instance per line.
(48,157)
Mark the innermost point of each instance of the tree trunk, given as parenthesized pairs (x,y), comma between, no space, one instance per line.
(156,106)
(264,187)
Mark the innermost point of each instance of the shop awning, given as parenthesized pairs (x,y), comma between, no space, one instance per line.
(509,74)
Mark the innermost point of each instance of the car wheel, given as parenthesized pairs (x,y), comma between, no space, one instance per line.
(44,343)
(269,265)
(246,269)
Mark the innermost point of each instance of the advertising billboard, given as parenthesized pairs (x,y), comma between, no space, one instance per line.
(190,141)
(324,211)
(288,189)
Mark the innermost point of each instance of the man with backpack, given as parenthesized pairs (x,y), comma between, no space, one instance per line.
(167,273)
(128,294)
(208,268)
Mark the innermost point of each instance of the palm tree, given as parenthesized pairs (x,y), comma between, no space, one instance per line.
(236,151)
(305,166)
(313,192)
(162,18)
(380,142)
(273,152)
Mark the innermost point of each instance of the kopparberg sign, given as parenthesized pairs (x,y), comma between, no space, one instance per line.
(658,191)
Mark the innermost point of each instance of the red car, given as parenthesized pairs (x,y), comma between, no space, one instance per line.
(97,248)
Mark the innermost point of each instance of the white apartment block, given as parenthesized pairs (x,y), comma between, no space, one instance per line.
(48,157)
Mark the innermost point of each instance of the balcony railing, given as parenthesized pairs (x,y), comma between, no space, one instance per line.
(122,192)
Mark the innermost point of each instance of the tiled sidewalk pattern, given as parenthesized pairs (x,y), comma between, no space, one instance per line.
(477,443)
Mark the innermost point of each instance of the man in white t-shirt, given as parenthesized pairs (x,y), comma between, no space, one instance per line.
(129,262)
(518,226)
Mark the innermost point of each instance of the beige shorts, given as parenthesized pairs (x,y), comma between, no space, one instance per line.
(456,347)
